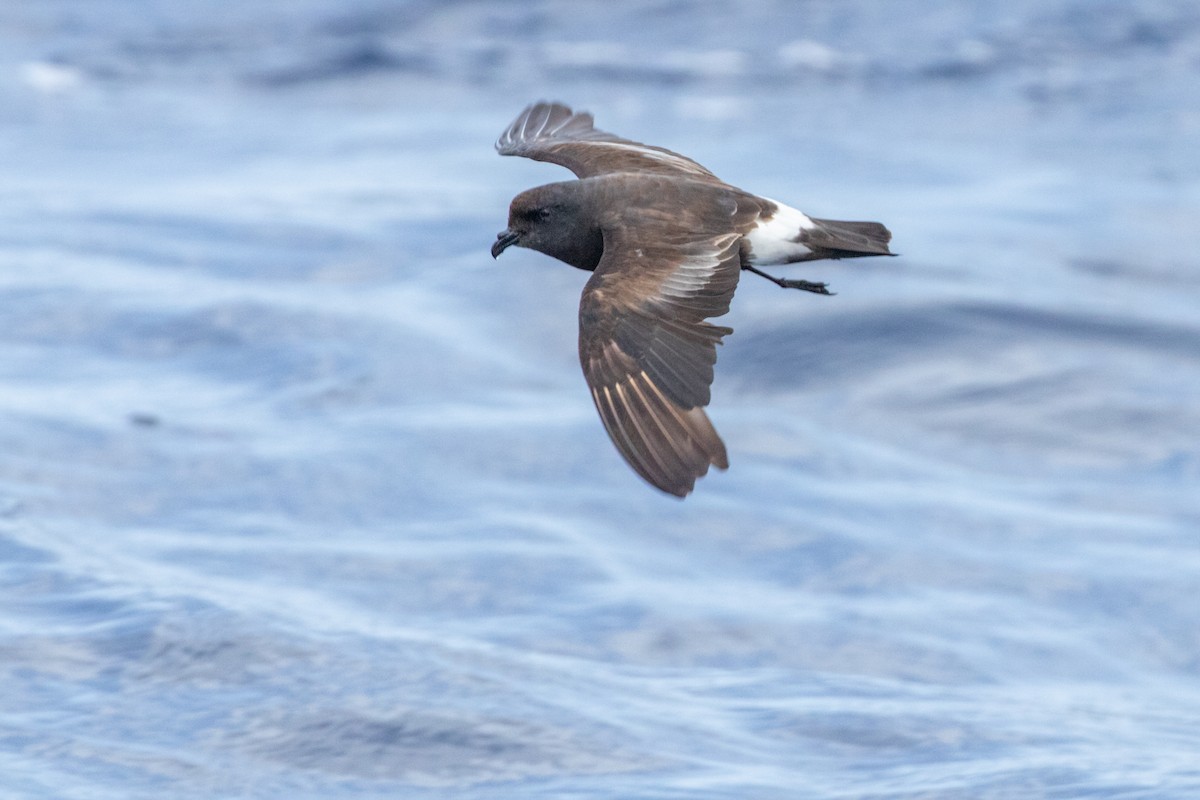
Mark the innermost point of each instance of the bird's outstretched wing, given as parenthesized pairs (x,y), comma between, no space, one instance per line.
(553,132)
(647,352)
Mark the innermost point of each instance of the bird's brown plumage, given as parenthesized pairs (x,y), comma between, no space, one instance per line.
(673,248)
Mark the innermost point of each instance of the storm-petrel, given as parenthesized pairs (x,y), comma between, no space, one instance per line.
(666,241)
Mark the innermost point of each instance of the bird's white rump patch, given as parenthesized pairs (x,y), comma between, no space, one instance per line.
(773,241)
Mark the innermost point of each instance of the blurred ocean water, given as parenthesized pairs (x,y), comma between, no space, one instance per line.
(302,495)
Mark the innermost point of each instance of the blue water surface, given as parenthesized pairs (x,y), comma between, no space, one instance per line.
(303,496)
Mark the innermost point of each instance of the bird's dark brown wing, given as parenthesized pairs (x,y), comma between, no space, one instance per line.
(553,132)
(647,352)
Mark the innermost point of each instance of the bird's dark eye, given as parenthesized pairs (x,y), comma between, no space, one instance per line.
(541,213)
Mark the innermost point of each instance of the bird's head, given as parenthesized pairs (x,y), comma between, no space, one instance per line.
(551,220)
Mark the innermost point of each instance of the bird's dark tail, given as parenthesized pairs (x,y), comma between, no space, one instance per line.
(831,238)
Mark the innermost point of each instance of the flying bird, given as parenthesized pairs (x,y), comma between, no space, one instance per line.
(665,241)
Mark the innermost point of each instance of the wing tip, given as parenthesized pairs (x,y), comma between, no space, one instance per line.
(686,485)
(670,453)
(541,119)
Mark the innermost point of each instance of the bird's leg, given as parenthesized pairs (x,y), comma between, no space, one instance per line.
(785,283)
